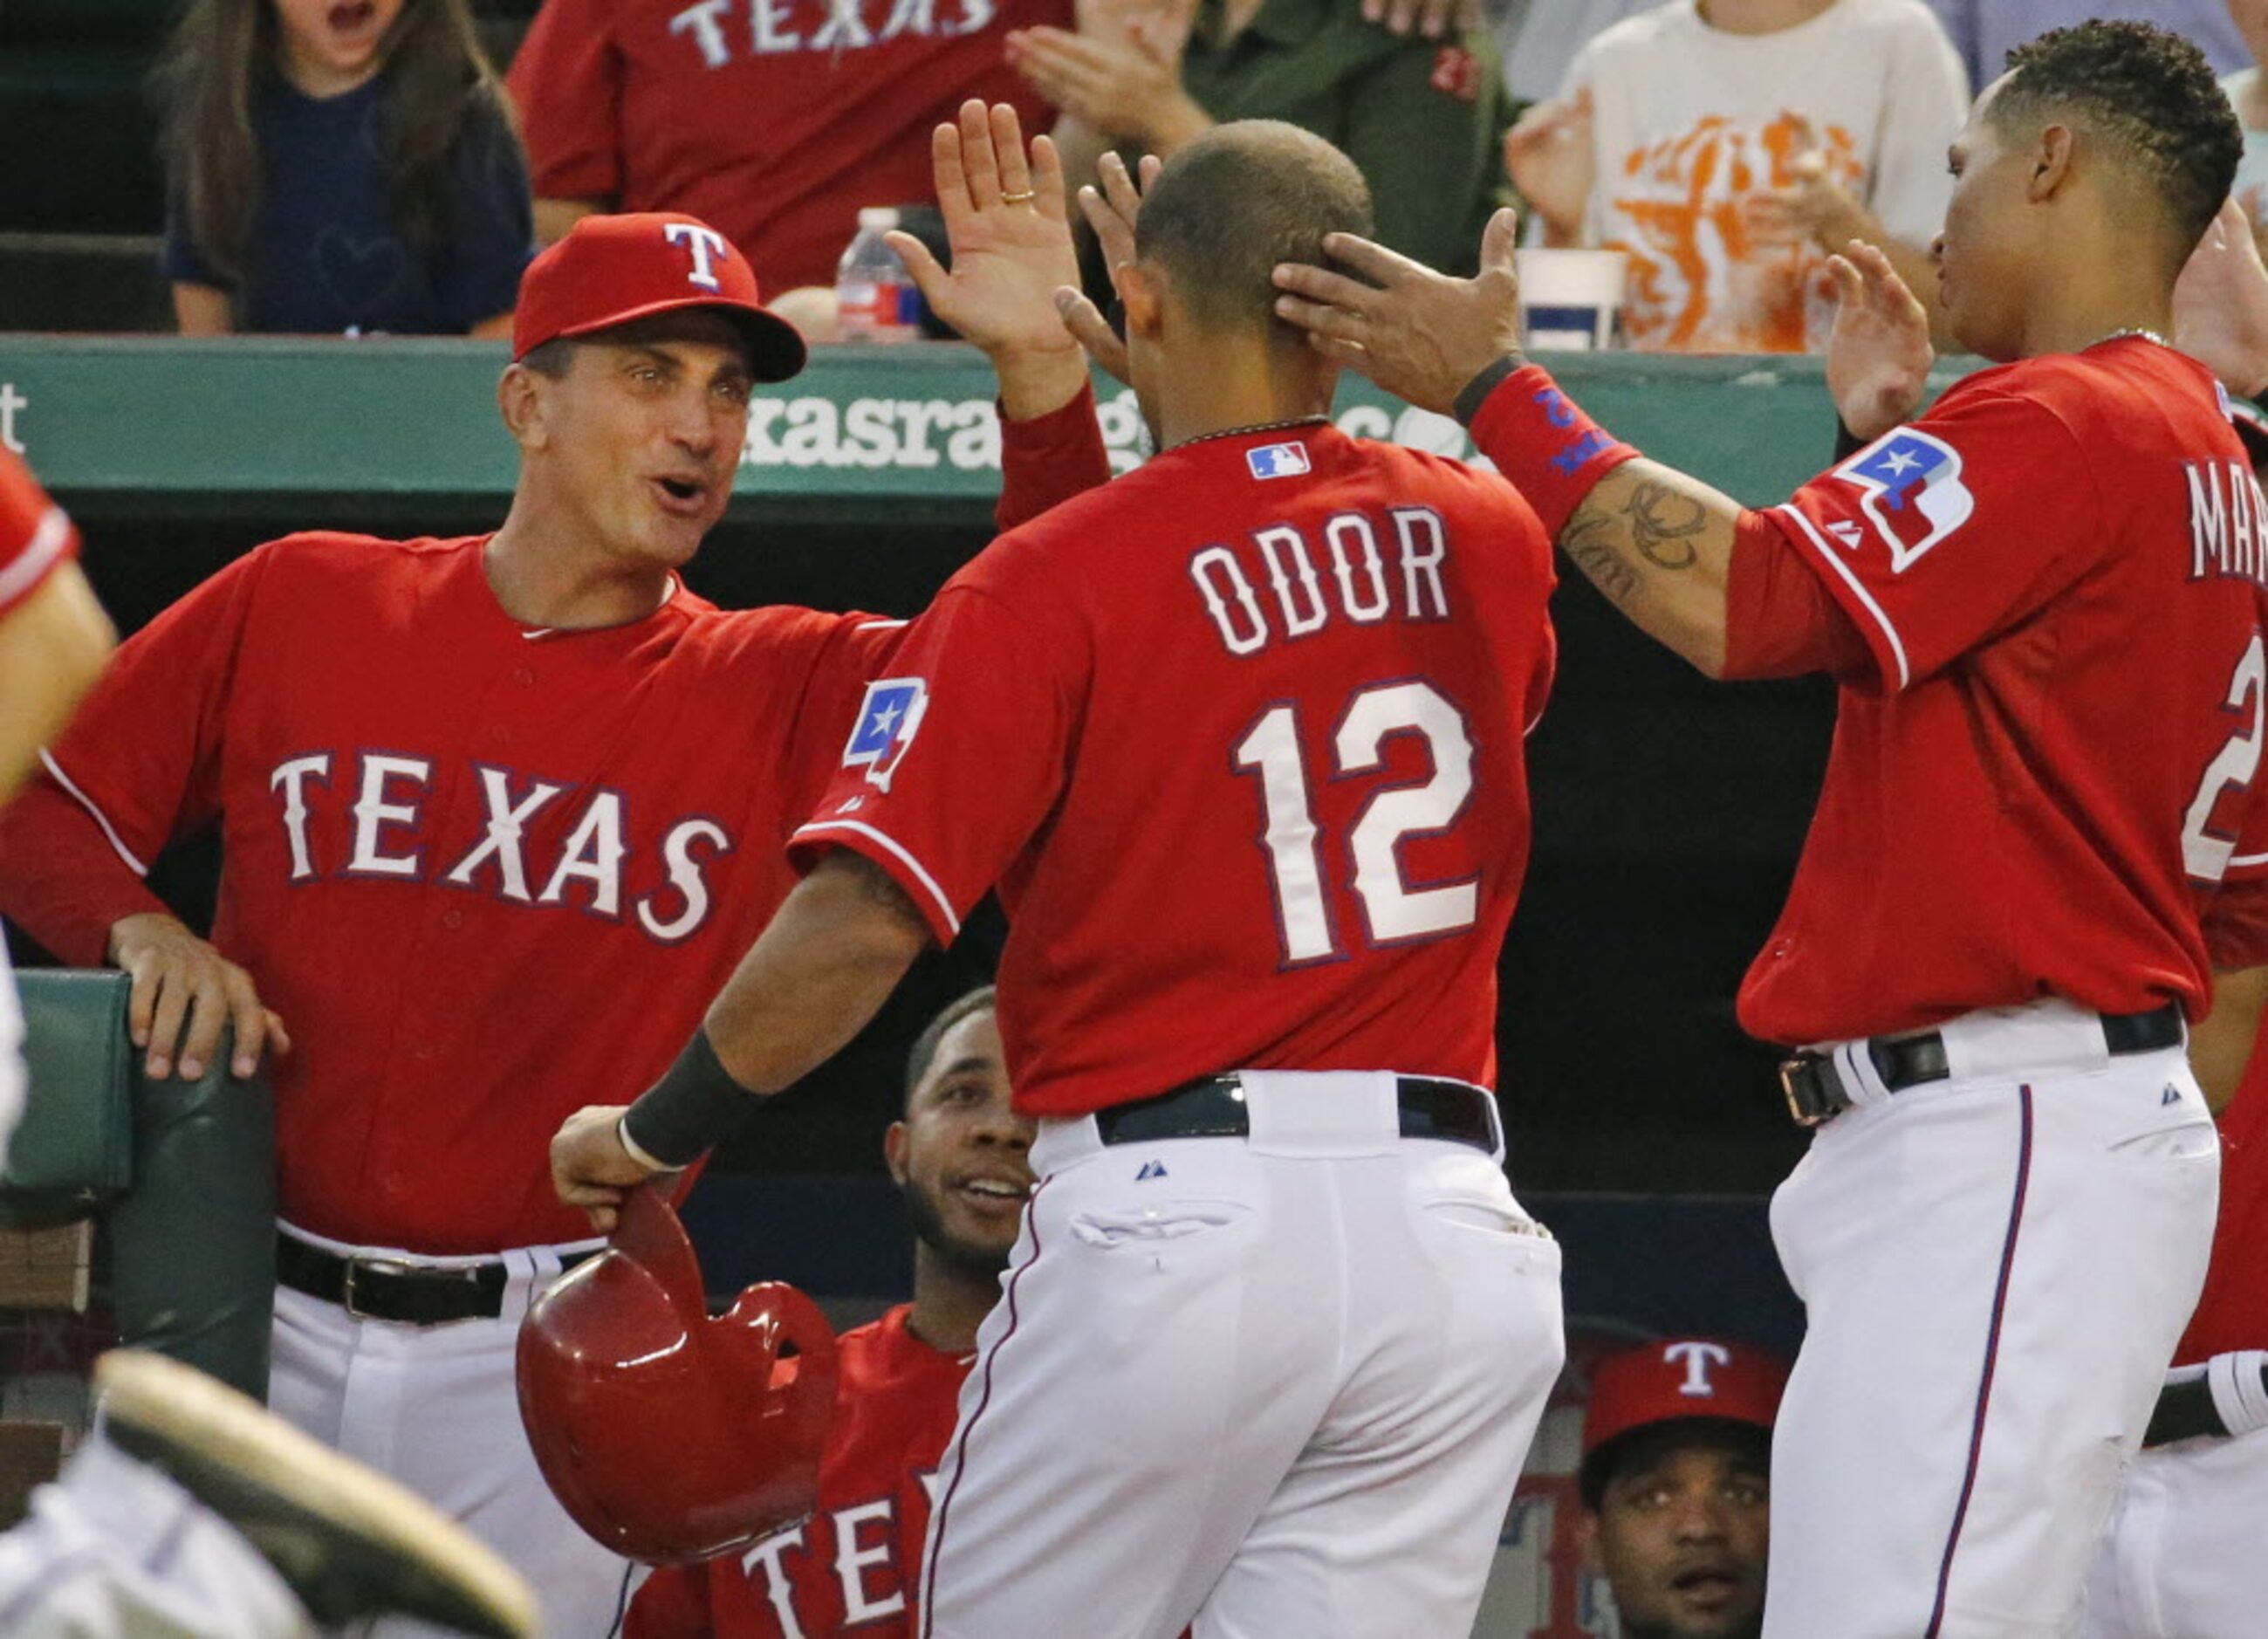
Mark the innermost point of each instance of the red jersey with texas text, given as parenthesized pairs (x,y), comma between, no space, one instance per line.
(1239,737)
(2047,769)
(34,534)
(772,120)
(854,1566)
(486,875)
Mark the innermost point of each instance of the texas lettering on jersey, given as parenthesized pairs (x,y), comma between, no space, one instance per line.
(379,801)
(721,31)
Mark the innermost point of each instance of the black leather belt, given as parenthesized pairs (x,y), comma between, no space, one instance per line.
(1213,1106)
(1816,1091)
(2184,1411)
(385,1288)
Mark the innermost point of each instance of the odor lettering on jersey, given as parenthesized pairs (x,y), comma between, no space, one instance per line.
(379,808)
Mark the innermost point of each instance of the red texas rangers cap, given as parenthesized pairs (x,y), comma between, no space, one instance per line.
(1675,1379)
(610,269)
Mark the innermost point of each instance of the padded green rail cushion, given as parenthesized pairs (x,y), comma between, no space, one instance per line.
(73,1152)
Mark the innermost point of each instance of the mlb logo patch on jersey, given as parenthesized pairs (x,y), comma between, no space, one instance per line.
(888,722)
(1912,492)
(1278,460)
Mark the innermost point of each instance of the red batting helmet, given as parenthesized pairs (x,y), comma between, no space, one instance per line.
(668,1435)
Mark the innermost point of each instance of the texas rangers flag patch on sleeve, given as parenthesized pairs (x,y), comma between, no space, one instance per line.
(1278,461)
(1912,492)
(888,722)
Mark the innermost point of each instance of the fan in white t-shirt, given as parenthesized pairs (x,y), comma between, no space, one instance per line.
(1727,146)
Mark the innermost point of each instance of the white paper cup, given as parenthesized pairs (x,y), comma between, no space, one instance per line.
(1568,298)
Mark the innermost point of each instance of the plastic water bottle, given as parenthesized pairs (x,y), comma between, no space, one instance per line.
(874,297)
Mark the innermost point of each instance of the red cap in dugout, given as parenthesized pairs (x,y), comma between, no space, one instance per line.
(1680,1377)
(610,269)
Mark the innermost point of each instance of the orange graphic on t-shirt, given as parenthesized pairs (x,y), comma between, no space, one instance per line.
(1702,279)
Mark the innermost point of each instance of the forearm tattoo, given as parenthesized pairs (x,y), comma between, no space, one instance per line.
(1655,528)
(1664,524)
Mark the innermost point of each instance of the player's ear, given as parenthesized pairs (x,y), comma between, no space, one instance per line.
(2052,157)
(519,401)
(893,1152)
(1140,291)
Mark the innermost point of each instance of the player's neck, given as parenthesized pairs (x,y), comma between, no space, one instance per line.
(950,1302)
(1760,17)
(541,580)
(1240,382)
(2114,306)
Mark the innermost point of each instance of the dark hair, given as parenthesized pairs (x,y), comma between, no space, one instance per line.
(436,78)
(553,359)
(1650,1440)
(932,1036)
(2150,94)
(1236,202)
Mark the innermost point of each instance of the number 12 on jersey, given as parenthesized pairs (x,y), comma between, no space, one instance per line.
(1393,911)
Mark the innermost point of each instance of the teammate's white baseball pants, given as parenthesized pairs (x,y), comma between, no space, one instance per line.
(437,1408)
(1996,1268)
(1277,1385)
(115,1550)
(2184,1558)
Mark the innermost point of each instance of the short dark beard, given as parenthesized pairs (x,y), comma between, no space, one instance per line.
(928,1220)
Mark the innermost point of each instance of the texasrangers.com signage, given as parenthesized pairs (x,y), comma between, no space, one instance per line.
(963,435)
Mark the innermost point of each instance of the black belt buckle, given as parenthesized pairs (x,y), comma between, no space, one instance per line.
(386,1266)
(1813,1091)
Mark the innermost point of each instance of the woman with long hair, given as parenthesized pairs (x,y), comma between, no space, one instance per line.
(340,167)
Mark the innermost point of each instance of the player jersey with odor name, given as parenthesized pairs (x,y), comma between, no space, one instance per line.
(1240,736)
(2046,772)
(854,1565)
(772,120)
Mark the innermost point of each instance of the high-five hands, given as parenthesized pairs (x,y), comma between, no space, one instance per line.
(1878,354)
(1111,211)
(1420,334)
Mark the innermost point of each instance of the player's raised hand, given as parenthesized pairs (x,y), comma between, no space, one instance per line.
(590,1169)
(185,993)
(1009,230)
(1878,355)
(2220,304)
(1110,210)
(1420,334)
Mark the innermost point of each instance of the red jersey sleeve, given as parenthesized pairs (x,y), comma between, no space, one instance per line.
(1780,620)
(139,765)
(35,535)
(1048,459)
(566,82)
(1939,535)
(957,755)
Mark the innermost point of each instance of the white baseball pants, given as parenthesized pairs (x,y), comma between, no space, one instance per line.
(1996,1268)
(437,1409)
(115,1550)
(1275,1385)
(2183,1559)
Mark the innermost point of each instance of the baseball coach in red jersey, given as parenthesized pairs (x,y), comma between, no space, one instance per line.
(2037,854)
(464,785)
(1276,1333)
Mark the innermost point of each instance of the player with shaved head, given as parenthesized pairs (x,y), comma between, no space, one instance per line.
(2039,856)
(1276,1334)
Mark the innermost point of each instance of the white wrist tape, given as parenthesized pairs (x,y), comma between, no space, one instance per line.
(631,1147)
(2238,1394)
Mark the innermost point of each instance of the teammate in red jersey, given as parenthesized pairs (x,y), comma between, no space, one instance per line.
(1277,1334)
(2043,602)
(464,785)
(961,1158)
(2179,1558)
(776,122)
